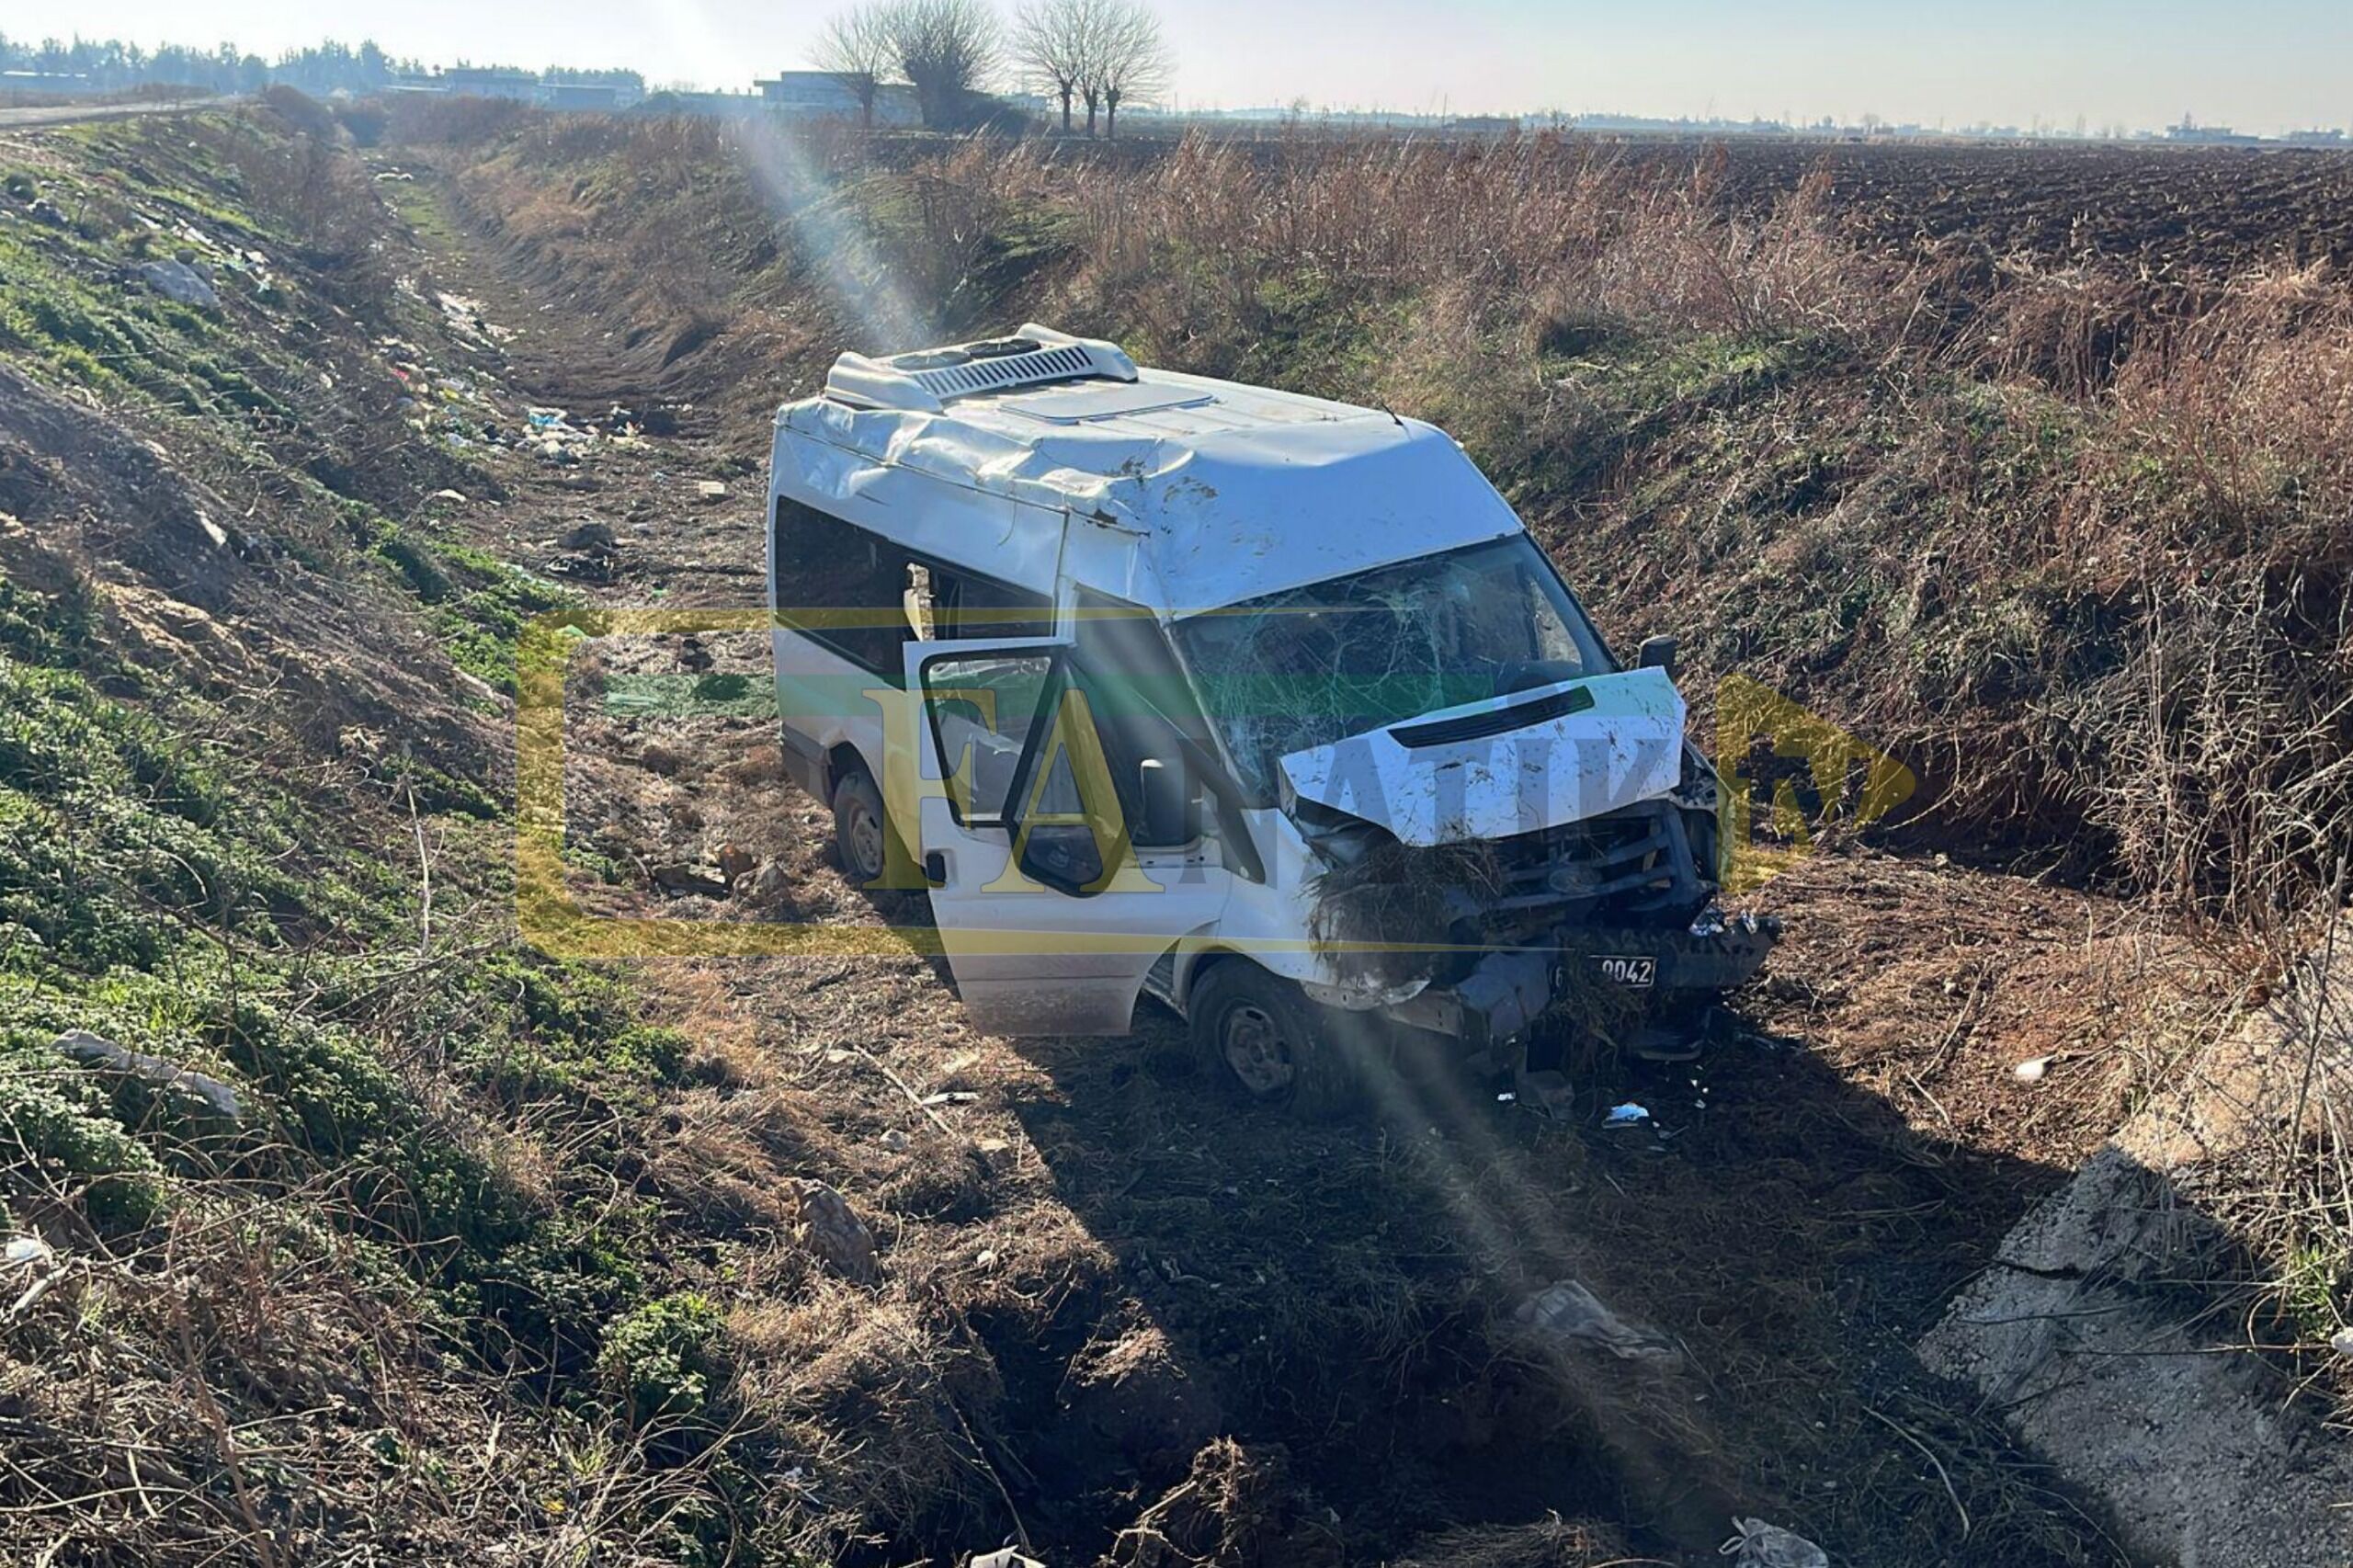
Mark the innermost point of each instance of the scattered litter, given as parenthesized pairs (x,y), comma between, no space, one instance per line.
(544,418)
(455,497)
(1005,1556)
(712,490)
(1506,1097)
(735,862)
(213,531)
(947,1097)
(28,1250)
(1709,924)
(987,1258)
(178,282)
(465,319)
(205,1093)
(2342,1342)
(894,1140)
(1627,1115)
(1760,1545)
(1566,1309)
(2031,1070)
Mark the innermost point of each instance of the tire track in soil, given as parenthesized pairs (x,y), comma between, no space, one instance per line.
(1118,1270)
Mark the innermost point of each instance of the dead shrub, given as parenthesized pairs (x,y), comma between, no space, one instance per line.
(870,1399)
(1375,916)
(1239,1506)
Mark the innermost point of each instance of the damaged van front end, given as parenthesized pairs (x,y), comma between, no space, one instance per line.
(1557,852)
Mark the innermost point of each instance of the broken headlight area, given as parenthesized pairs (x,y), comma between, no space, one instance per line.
(1611,921)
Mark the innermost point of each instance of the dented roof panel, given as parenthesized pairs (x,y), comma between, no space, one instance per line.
(1233,491)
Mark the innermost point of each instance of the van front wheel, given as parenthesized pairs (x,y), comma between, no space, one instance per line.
(1261,1037)
(861,830)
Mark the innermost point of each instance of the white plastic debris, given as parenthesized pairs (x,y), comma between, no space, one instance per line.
(2031,1070)
(199,1089)
(712,490)
(28,1251)
(2342,1342)
(1627,1115)
(1760,1545)
(1006,1557)
(1566,1309)
(179,283)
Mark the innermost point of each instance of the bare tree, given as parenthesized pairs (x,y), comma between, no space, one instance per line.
(1054,41)
(948,48)
(858,50)
(1127,59)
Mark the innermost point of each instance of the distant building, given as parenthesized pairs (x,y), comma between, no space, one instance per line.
(1482,125)
(490,82)
(2191,133)
(51,84)
(821,94)
(714,105)
(625,91)
(2314,139)
(589,94)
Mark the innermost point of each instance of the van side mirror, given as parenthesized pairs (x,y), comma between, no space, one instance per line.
(1172,807)
(1657,653)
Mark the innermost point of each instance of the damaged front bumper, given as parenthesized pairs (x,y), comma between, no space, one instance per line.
(1661,971)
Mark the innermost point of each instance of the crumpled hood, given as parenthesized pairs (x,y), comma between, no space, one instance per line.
(1533,760)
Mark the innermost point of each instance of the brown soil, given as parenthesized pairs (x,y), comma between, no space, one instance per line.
(2170,212)
(1123,1318)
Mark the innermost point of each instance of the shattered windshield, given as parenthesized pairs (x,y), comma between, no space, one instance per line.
(1311,665)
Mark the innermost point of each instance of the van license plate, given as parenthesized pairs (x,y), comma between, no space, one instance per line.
(1637,972)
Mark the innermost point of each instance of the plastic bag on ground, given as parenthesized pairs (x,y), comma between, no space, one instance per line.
(1760,1545)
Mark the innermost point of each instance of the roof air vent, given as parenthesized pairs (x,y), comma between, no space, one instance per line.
(925,379)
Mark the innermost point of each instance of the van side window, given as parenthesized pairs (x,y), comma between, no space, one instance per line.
(848,582)
(975,608)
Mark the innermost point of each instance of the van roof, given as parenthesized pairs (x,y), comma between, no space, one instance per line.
(1234,491)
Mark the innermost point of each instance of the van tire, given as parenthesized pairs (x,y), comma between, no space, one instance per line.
(1261,1039)
(862,833)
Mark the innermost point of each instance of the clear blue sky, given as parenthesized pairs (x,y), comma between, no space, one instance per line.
(2265,67)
